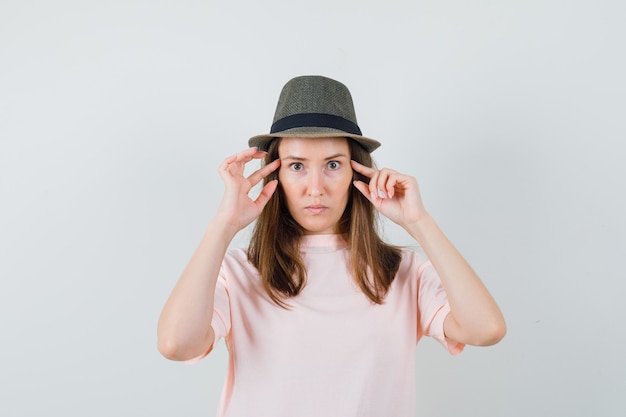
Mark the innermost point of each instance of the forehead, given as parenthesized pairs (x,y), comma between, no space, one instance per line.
(313,147)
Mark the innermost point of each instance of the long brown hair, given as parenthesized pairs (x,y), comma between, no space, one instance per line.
(275,243)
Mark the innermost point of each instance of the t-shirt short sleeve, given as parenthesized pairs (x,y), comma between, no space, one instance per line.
(433,308)
(220,322)
(221,309)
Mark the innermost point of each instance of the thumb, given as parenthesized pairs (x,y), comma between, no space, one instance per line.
(364,189)
(266,193)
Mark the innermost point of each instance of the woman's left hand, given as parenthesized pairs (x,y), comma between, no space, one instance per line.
(395,195)
(474,316)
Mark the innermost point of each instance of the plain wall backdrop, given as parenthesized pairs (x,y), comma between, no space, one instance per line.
(115,115)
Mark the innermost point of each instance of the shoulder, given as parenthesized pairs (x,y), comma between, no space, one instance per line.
(237,266)
(413,258)
(415,267)
(239,278)
(236,255)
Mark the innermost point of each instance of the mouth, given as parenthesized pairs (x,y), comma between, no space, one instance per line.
(315,208)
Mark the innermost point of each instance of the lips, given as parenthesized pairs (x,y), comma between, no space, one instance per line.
(315,208)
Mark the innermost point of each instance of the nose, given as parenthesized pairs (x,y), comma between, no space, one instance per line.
(315,184)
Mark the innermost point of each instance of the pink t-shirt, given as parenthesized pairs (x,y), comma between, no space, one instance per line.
(334,353)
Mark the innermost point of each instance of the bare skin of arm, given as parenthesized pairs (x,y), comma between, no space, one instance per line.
(184,329)
(474,317)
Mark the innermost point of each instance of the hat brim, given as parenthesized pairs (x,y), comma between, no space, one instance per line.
(263,141)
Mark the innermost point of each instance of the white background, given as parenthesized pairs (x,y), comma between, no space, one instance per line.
(114,116)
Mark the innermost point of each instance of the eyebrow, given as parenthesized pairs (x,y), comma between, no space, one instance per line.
(298,158)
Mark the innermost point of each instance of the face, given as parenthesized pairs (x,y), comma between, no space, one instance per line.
(316,177)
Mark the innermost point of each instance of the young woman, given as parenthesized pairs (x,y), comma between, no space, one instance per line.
(321,317)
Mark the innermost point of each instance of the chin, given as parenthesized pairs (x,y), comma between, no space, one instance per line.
(318,230)
(318,225)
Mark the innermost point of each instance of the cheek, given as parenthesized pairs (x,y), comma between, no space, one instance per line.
(343,184)
(286,175)
(288,185)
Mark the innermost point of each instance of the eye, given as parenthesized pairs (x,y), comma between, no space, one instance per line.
(296,166)
(333,165)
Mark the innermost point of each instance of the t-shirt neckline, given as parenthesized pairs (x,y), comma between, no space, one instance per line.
(316,242)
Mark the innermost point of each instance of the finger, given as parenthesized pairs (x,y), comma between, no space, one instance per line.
(263,172)
(391,185)
(365,190)
(362,169)
(388,181)
(373,185)
(243,156)
(393,179)
(251,153)
(383,179)
(378,183)
(266,193)
(239,160)
(226,162)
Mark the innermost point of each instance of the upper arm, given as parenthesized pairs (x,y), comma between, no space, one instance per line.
(489,334)
(210,343)
(452,330)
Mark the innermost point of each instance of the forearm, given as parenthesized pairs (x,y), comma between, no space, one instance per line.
(475,317)
(184,328)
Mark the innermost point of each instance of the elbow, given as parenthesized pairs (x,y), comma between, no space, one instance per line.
(175,349)
(169,349)
(492,333)
(486,331)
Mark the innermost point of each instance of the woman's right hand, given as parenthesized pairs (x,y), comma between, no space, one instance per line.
(184,330)
(237,209)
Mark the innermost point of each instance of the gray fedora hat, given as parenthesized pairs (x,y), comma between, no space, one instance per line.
(313,106)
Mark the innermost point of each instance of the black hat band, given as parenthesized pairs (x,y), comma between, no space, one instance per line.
(315,120)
